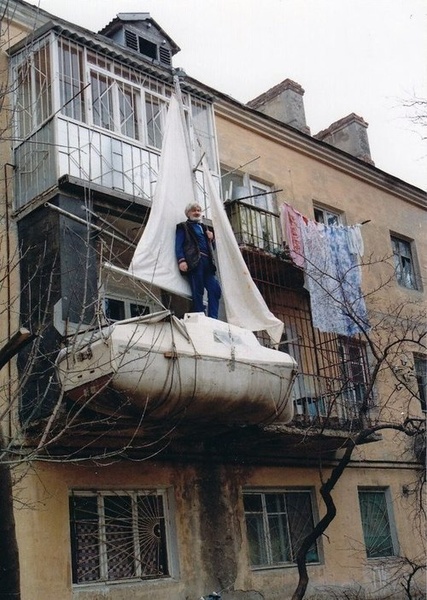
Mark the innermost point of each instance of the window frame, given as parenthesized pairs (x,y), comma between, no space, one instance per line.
(107,534)
(35,89)
(330,216)
(284,517)
(420,373)
(254,219)
(384,493)
(398,243)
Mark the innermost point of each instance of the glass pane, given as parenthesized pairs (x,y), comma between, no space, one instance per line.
(102,101)
(275,503)
(128,107)
(42,83)
(300,515)
(154,114)
(256,539)
(139,310)
(114,309)
(279,539)
(252,502)
(84,539)
(71,81)
(119,537)
(152,536)
(375,524)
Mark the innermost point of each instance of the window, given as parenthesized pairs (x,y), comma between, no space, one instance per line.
(403,262)
(115,105)
(71,80)
(276,523)
(326,216)
(254,215)
(118,535)
(118,310)
(354,375)
(33,95)
(155,111)
(375,516)
(420,366)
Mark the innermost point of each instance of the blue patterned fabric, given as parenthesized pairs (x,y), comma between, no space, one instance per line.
(333,277)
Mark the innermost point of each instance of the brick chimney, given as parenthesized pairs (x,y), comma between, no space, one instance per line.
(350,135)
(283,102)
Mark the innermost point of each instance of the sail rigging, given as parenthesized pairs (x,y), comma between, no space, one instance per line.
(154,259)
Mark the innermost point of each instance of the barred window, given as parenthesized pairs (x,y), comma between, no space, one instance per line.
(376,523)
(118,536)
(277,523)
(71,80)
(33,91)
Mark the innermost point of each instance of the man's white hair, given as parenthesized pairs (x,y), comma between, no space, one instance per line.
(190,206)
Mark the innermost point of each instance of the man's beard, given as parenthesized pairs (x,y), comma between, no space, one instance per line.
(195,219)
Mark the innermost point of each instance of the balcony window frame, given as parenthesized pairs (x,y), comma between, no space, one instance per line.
(273,535)
(33,100)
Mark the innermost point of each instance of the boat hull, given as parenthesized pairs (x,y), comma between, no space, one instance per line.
(199,368)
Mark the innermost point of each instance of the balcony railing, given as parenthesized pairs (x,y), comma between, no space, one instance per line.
(330,402)
(254,226)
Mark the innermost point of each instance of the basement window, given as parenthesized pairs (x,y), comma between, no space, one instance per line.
(118,536)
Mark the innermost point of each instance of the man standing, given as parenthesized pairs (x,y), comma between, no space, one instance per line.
(193,248)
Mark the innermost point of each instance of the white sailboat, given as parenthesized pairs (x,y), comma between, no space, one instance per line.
(196,366)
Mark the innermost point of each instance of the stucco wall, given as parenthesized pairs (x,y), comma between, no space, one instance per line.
(211,546)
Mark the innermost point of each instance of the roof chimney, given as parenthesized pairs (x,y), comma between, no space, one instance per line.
(350,135)
(283,102)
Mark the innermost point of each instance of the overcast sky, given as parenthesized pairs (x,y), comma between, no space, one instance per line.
(361,56)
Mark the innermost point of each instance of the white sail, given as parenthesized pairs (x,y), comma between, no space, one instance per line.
(244,305)
(154,259)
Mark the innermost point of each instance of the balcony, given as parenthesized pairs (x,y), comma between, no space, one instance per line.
(255,227)
(97,157)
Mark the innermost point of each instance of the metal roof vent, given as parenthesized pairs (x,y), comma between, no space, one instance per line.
(140,33)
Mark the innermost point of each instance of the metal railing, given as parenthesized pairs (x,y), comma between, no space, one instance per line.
(254,226)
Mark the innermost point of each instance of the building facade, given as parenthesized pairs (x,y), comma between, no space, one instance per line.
(125,507)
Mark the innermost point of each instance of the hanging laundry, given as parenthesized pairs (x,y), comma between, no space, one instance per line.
(333,277)
(292,221)
(345,245)
(321,280)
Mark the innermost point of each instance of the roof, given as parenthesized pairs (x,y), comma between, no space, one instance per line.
(135,18)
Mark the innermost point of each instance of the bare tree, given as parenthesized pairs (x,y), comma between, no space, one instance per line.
(395,332)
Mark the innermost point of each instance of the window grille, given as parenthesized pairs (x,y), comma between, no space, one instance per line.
(376,523)
(118,536)
(71,80)
(33,90)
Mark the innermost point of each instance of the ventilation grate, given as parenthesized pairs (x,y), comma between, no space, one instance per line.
(131,40)
(165,56)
